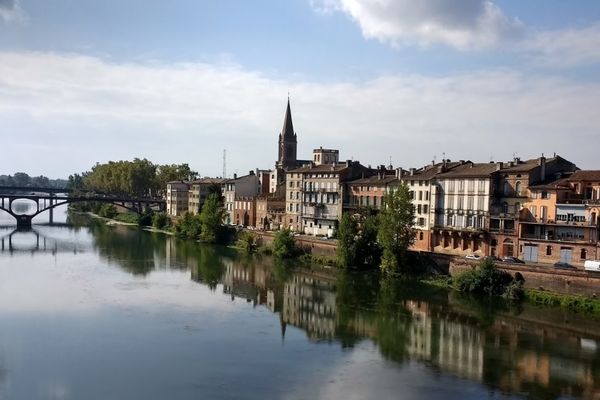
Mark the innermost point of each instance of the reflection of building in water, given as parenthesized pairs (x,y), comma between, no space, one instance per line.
(460,349)
(309,303)
(420,333)
(562,362)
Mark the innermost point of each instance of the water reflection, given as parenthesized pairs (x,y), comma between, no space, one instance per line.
(540,353)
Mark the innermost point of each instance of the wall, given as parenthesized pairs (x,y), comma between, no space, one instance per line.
(544,278)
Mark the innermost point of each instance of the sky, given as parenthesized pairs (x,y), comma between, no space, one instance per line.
(85,81)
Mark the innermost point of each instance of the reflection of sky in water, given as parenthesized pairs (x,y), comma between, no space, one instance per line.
(28,207)
(97,324)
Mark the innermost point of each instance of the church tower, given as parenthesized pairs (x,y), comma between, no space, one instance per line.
(288,142)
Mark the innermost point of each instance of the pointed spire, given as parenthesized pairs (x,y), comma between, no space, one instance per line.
(288,128)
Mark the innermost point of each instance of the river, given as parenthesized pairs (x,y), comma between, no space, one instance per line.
(110,312)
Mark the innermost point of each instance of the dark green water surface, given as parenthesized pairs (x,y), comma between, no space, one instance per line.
(106,312)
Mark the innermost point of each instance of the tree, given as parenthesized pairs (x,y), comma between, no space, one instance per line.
(346,236)
(368,250)
(211,219)
(173,172)
(160,220)
(396,228)
(284,245)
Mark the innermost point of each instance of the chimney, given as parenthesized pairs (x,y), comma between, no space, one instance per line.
(348,163)
(234,176)
(250,172)
(542,164)
(499,166)
(412,171)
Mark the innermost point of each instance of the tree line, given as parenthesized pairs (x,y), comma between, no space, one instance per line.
(24,180)
(139,177)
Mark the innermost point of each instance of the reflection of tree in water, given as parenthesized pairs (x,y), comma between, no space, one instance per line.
(368,306)
(132,249)
(206,262)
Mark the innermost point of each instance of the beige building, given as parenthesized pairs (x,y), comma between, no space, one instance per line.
(315,199)
(199,191)
(177,198)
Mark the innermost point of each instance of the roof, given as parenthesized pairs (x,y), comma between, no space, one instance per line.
(375,180)
(208,181)
(585,175)
(180,182)
(429,171)
(562,183)
(320,168)
(470,170)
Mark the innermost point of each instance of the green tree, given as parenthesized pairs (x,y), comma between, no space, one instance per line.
(487,280)
(284,245)
(346,235)
(188,226)
(396,228)
(211,218)
(247,241)
(160,220)
(173,172)
(368,251)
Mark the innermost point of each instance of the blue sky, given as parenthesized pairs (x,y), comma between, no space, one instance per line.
(180,81)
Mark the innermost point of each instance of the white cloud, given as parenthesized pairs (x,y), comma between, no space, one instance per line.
(462,24)
(62,113)
(10,11)
(564,48)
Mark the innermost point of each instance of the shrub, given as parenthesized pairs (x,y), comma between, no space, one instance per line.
(247,241)
(284,245)
(160,220)
(486,280)
(107,210)
(130,218)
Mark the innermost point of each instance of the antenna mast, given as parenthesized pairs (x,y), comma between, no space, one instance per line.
(224,163)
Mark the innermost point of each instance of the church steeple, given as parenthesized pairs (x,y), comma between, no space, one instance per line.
(288,141)
(288,127)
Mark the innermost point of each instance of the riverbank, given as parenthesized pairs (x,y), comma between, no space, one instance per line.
(111,221)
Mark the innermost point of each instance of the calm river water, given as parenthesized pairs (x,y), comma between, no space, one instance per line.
(100,312)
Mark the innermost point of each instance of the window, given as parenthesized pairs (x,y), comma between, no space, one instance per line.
(421,221)
(470,203)
(451,186)
(420,235)
(481,186)
(419,209)
(411,194)
(461,185)
(480,203)
(471,187)
(506,189)
(425,209)
(427,195)
(505,207)
(518,188)
(548,250)
(517,207)
(461,203)
(374,201)
(583,254)
(545,195)
(533,210)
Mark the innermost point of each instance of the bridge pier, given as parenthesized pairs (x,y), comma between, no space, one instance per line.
(24,221)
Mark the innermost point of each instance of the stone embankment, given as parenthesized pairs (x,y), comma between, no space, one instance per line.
(576,282)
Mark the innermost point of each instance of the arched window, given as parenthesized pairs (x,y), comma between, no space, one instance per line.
(517,208)
(518,188)
(506,189)
(505,207)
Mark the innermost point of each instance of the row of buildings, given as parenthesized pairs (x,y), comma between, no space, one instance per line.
(543,209)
